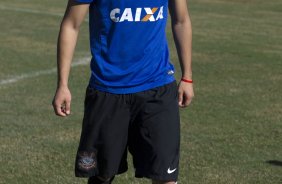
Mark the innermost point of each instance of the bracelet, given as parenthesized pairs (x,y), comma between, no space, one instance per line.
(185,80)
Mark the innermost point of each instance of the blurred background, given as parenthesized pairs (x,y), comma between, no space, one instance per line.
(231,133)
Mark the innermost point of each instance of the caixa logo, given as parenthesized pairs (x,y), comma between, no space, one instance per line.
(150,14)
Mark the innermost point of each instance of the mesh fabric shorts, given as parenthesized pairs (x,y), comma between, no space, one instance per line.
(145,123)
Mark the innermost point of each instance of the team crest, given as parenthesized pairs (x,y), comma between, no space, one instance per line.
(86,160)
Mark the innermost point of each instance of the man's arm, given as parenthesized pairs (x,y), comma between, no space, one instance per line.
(74,16)
(182,34)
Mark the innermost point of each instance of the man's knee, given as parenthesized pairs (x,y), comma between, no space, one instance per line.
(100,180)
(163,182)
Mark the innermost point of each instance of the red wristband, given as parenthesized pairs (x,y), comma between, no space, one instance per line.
(185,80)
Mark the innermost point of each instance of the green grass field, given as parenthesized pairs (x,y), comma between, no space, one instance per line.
(231,134)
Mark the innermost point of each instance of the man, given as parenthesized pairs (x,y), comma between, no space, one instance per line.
(132,99)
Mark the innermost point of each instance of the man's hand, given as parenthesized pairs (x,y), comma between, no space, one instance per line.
(185,94)
(73,18)
(62,101)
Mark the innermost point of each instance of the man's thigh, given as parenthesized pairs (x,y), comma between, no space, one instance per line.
(154,135)
(103,144)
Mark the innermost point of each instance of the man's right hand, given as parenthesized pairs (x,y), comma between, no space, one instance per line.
(62,101)
(73,18)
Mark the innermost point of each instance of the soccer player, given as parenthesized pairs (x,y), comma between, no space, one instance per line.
(132,100)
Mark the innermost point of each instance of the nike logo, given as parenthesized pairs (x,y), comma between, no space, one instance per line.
(170,72)
(170,171)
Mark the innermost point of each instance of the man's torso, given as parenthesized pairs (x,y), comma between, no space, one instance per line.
(128,45)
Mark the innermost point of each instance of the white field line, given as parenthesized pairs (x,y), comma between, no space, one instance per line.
(17,78)
(32,11)
(25,10)
(83,61)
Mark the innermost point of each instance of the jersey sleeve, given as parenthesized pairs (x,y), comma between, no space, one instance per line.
(84,1)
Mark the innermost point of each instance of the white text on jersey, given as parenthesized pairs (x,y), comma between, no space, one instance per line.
(152,14)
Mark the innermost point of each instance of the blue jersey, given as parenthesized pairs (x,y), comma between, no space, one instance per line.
(128,45)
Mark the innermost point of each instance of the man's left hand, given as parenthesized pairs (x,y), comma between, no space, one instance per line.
(185,94)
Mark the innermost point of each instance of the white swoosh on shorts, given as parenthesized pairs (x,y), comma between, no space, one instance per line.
(170,171)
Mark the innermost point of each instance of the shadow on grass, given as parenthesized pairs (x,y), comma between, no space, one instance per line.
(274,162)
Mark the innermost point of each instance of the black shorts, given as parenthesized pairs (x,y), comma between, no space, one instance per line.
(146,123)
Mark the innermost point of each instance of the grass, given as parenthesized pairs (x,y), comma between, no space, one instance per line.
(231,133)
